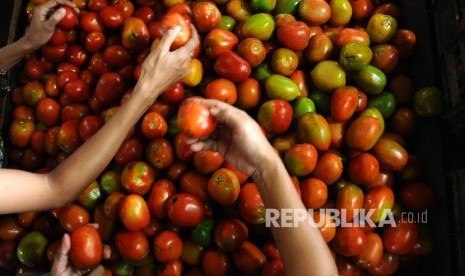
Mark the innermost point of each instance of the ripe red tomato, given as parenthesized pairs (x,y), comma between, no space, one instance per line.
(130,150)
(314,12)
(390,155)
(154,125)
(221,89)
(132,245)
(381,200)
(230,234)
(111,17)
(275,116)
(116,55)
(96,5)
(134,212)
(363,169)
(195,120)
(86,248)
(159,153)
(328,168)
(68,136)
(313,128)
(231,66)
(218,41)
(161,191)
(73,217)
(223,186)
(173,19)
(350,198)
(90,22)
(388,265)
(294,35)
(326,225)
(206,15)
(182,149)
(248,94)
(252,50)
(89,126)
(34,69)
(77,90)
(53,53)
(206,162)
(349,241)
(314,193)
(137,177)
(185,210)
(300,159)
(167,246)
(400,239)
(215,262)
(70,20)
(250,204)
(363,133)
(372,253)
(110,87)
(249,258)
(135,35)
(344,103)
(194,183)
(48,112)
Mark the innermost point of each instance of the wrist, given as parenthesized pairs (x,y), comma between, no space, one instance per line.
(270,165)
(26,44)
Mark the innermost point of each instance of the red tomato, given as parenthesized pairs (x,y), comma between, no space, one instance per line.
(223,186)
(48,112)
(182,149)
(159,153)
(134,212)
(110,87)
(381,200)
(417,196)
(326,225)
(161,191)
(77,90)
(388,265)
(400,239)
(73,217)
(24,112)
(313,128)
(90,22)
(221,89)
(344,103)
(130,150)
(112,204)
(195,120)
(116,55)
(53,53)
(194,183)
(248,94)
(147,14)
(218,41)
(111,17)
(96,5)
(185,210)
(372,253)
(206,162)
(320,47)
(230,234)
(328,168)
(390,155)
(346,267)
(86,248)
(37,141)
(89,126)
(135,35)
(132,245)
(174,268)
(404,40)
(167,246)
(249,258)
(70,20)
(363,169)
(34,69)
(294,35)
(206,15)
(314,12)
(300,159)
(137,177)
(273,267)
(215,263)
(350,198)
(50,144)
(174,19)
(76,55)
(252,50)
(347,35)
(361,9)
(174,94)
(314,193)
(97,65)
(68,136)
(250,204)
(275,116)
(349,241)
(363,133)
(231,66)
(154,125)
(59,37)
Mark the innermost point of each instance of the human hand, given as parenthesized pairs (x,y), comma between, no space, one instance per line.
(41,28)
(162,68)
(61,265)
(237,137)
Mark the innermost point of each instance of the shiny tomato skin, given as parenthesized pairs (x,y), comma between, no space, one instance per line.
(229,234)
(250,204)
(231,66)
(215,262)
(86,248)
(344,103)
(223,186)
(134,212)
(252,50)
(314,129)
(167,246)
(174,94)
(249,258)
(401,238)
(185,210)
(275,116)
(173,19)
(350,198)
(195,120)
(328,167)
(77,90)
(111,17)
(363,133)
(294,35)
(206,162)
(349,241)
(154,125)
(88,126)
(134,34)
(161,191)
(132,245)
(159,153)
(48,112)
(300,159)
(314,193)
(72,217)
(68,136)
(206,15)
(361,9)
(390,155)
(116,55)
(137,177)
(194,183)
(218,41)
(130,150)
(70,20)
(381,200)
(221,89)
(110,87)
(363,169)
(90,22)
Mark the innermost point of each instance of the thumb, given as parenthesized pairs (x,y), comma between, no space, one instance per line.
(56,17)
(99,270)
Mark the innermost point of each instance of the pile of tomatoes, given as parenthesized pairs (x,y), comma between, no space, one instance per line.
(327,82)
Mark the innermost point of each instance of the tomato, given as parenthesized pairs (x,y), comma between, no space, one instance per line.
(241,176)
(381,200)
(20,132)
(110,181)
(385,57)
(88,126)
(32,92)
(314,12)
(417,196)
(8,256)
(260,25)
(355,56)
(132,245)
(31,249)
(275,116)
(284,61)
(281,87)
(173,19)
(72,217)
(346,267)
(110,87)
(390,155)
(350,198)
(90,197)
(328,168)
(182,149)
(252,50)
(206,162)
(250,204)
(428,102)
(185,210)
(191,253)
(51,86)
(344,102)
(194,183)
(116,55)
(111,17)
(174,268)
(97,65)
(34,69)
(294,35)
(10,230)
(385,103)
(363,169)
(167,246)
(326,225)
(231,66)
(388,265)
(50,145)
(134,212)
(24,112)
(300,159)
(240,10)
(218,41)
(221,89)
(248,258)
(130,150)
(320,47)
(134,33)
(223,186)
(363,133)
(202,233)
(401,238)
(361,9)
(389,9)
(86,248)
(70,20)
(206,15)
(370,79)
(404,40)
(96,5)
(137,177)
(403,121)
(53,53)
(314,193)
(349,241)
(195,120)
(59,37)
(68,136)
(112,203)
(90,22)
(215,263)
(153,125)
(328,75)
(381,28)
(314,129)
(174,94)
(195,74)
(77,90)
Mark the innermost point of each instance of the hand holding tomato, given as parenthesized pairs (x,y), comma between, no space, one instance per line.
(238,137)
(42,26)
(61,264)
(162,68)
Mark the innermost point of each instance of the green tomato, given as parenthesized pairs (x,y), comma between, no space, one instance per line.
(322,101)
(281,87)
(302,106)
(381,28)
(91,196)
(202,233)
(428,102)
(111,181)
(262,72)
(122,269)
(286,6)
(31,249)
(385,103)
(341,12)
(370,79)
(263,5)
(355,56)
(328,75)
(227,23)
(260,25)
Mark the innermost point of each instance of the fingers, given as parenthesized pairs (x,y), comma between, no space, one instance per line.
(204,145)
(99,270)
(61,256)
(168,39)
(193,42)
(55,18)
(106,251)
(69,4)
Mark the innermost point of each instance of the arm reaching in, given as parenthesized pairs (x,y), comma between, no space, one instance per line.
(240,140)
(39,32)
(24,191)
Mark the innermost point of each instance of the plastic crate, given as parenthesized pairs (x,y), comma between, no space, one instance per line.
(439,60)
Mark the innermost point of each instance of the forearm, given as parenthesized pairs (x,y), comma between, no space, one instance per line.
(14,52)
(303,250)
(89,160)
